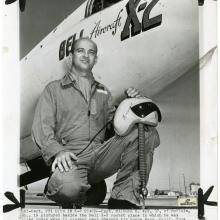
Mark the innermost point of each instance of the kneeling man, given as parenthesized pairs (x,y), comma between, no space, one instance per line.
(69,114)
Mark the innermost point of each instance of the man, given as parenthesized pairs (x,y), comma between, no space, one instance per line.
(70,113)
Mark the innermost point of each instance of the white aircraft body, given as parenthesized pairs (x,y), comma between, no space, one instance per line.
(147,44)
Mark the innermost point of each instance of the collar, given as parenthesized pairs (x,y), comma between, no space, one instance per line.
(65,81)
(70,78)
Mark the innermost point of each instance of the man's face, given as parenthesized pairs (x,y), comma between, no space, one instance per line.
(84,55)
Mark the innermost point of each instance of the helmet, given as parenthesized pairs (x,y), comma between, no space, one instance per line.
(135,110)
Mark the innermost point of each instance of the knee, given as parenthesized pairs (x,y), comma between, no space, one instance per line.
(62,189)
(152,139)
(150,132)
(68,193)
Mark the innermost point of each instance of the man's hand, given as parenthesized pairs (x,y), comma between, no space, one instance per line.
(64,161)
(132,93)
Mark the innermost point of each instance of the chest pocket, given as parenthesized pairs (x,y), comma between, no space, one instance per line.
(98,105)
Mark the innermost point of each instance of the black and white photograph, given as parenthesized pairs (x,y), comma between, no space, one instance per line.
(114,108)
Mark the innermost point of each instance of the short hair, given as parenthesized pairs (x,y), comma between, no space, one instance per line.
(84,38)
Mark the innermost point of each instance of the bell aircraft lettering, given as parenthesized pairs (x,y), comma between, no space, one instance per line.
(66,46)
(132,26)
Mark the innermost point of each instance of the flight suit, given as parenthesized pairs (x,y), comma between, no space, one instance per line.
(65,120)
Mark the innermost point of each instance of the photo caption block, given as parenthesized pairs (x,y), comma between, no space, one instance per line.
(102,214)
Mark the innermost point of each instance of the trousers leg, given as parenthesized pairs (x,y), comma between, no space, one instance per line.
(121,154)
(71,186)
(67,187)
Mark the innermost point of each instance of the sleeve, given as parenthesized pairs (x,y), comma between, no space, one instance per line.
(43,128)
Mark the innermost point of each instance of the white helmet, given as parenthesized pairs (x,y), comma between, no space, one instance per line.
(135,110)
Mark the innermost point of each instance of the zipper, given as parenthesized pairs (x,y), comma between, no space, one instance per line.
(92,92)
(80,92)
(90,99)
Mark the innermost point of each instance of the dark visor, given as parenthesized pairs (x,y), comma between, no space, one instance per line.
(145,108)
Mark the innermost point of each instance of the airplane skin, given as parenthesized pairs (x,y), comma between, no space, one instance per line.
(146,44)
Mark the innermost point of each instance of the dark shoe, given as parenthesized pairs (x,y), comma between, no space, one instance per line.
(70,206)
(121,204)
(67,206)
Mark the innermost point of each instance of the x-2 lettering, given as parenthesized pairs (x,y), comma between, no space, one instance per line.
(133,21)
